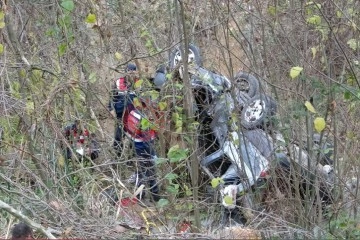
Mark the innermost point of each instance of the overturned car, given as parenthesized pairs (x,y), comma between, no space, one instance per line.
(242,148)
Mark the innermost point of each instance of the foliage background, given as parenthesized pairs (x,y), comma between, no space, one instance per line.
(57,61)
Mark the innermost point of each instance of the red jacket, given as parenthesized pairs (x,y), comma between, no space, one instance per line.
(132,120)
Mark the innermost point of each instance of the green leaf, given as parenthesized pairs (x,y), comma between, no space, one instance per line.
(319,124)
(310,107)
(1,48)
(179,109)
(168,76)
(91,18)
(154,95)
(176,154)
(2,15)
(172,189)
(62,49)
(68,5)
(347,95)
(315,20)
(2,24)
(65,21)
(178,126)
(216,181)
(179,86)
(144,124)
(160,161)
(228,200)
(188,191)
(295,71)
(162,202)
(171,176)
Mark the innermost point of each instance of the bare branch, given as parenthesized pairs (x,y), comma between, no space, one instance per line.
(47,232)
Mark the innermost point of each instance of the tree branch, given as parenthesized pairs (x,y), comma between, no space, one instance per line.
(47,232)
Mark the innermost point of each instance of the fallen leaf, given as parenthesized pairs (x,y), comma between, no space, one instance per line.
(319,124)
(313,50)
(118,56)
(295,71)
(310,107)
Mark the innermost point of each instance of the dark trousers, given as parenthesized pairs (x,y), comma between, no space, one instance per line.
(119,134)
(146,171)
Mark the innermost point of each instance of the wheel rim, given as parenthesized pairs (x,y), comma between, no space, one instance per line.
(255,111)
(243,85)
(178,58)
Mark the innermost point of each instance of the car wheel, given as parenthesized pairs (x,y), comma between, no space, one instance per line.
(194,56)
(246,83)
(256,110)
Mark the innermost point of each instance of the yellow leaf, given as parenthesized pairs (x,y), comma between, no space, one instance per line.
(339,14)
(353,44)
(295,71)
(162,106)
(216,181)
(313,50)
(22,73)
(271,10)
(315,20)
(2,15)
(30,107)
(178,129)
(319,124)
(1,48)
(138,84)
(61,161)
(310,107)
(2,24)
(91,18)
(137,102)
(228,200)
(118,56)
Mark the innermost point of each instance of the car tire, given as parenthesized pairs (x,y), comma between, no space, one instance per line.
(256,111)
(246,83)
(194,56)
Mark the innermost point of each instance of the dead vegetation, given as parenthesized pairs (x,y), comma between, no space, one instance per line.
(56,66)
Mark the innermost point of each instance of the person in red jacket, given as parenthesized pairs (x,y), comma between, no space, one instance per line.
(121,95)
(140,123)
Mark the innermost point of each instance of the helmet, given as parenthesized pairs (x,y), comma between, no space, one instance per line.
(160,76)
(130,67)
(159,79)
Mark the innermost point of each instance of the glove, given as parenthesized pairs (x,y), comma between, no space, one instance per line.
(229,191)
